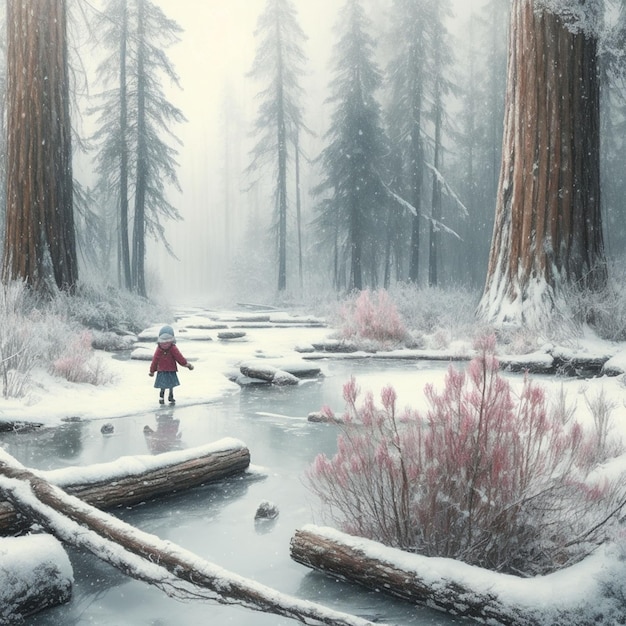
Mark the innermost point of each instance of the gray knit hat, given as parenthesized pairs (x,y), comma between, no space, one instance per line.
(166,335)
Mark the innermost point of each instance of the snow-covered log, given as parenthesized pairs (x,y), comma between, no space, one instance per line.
(575,596)
(35,573)
(143,556)
(133,479)
(9,522)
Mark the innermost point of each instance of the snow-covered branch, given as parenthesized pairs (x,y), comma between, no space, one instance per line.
(409,207)
(447,189)
(177,571)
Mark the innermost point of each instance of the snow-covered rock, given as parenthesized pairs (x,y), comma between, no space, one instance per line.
(335,345)
(534,362)
(231,334)
(278,372)
(616,365)
(258,370)
(266,510)
(283,379)
(35,573)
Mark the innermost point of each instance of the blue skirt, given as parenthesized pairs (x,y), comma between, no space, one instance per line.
(166,380)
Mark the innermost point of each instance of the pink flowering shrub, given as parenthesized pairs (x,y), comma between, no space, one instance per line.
(77,363)
(374,317)
(485,477)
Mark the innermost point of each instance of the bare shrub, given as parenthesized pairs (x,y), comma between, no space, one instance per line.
(517,340)
(106,308)
(19,346)
(485,477)
(78,364)
(429,309)
(605,310)
(601,409)
(561,409)
(372,316)
(32,334)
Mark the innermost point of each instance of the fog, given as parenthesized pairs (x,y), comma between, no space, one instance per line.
(218,98)
(213,61)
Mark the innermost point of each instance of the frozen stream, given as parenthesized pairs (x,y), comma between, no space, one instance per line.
(217,521)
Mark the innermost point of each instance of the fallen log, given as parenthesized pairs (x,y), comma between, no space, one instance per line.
(455,587)
(7,426)
(143,556)
(132,479)
(35,573)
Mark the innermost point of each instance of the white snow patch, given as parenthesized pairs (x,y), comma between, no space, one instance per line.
(55,399)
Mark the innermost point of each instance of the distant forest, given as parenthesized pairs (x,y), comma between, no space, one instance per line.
(394,180)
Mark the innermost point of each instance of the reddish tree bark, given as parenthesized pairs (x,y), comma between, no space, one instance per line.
(40,244)
(548,227)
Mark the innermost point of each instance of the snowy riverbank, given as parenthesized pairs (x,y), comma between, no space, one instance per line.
(275,342)
(278,338)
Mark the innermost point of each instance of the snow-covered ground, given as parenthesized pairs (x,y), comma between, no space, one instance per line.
(54,400)
(278,342)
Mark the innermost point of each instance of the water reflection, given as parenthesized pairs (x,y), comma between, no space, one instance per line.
(67,441)
(166,436)
(194,510)
(46,448)
(371,605)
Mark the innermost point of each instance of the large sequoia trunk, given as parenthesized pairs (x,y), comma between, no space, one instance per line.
(40,245)
(548,229)
(130,480)
(145,557)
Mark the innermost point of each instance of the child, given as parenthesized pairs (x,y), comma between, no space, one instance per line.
(164,364)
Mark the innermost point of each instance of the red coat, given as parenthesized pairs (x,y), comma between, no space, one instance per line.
(165,358)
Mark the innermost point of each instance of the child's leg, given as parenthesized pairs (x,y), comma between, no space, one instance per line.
(171,395)
(161,394)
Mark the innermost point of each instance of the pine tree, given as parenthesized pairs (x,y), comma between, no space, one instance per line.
(40,245)
(279,63)
(407,71)
(112,136)
(612,168)
(352,207)
(441,87)
(478,138)
(416,113)
(135,159)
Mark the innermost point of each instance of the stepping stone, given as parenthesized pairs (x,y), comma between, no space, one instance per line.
(231,334)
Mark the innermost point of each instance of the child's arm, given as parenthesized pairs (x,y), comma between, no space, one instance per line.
(180,359)
(155,363)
